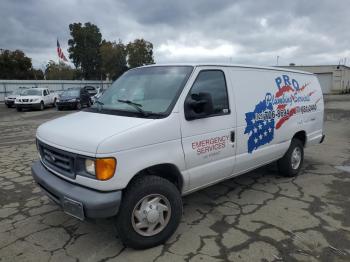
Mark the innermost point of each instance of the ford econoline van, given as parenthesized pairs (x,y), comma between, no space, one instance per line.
(163,131)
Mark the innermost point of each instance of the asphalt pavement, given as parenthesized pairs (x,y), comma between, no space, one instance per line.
(259,216)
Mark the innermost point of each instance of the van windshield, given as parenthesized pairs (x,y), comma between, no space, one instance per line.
(145,91)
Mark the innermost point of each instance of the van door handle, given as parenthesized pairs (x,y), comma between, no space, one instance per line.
(232,136)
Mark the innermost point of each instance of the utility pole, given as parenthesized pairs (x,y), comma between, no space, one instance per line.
(277,58)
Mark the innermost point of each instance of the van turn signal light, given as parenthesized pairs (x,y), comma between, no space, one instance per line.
(105,168)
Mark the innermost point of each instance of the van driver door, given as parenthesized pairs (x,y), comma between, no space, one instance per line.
(208,138)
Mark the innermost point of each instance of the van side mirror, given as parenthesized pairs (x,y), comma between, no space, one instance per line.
(198,106)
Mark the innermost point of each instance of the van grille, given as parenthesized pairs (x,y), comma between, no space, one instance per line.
(61,161)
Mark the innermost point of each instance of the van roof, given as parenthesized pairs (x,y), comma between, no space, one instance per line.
(233,65)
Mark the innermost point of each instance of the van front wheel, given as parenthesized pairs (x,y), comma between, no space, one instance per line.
(150,212)
(290,164)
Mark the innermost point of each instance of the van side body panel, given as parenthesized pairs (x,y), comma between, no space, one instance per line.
(208,150)
(297,105)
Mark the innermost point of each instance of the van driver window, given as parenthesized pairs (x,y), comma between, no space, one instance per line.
(214,83)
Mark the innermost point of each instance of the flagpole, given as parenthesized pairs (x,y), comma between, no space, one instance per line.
(58,64)
(57,52)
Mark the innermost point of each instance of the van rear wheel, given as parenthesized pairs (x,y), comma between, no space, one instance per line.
(150,212)
(290,164)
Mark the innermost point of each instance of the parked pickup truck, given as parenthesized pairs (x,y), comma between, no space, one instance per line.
(37,98)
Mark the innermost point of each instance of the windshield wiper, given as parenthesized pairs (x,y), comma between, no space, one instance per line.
(135,105)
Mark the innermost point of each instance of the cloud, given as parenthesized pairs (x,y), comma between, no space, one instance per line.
(241,31)
(175,51)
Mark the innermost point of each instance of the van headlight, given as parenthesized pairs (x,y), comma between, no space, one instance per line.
(101,168)
(90,166)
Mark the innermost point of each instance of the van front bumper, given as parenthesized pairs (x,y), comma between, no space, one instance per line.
(93,204)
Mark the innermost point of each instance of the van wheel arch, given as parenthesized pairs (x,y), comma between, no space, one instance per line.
(167,171)
(301,136)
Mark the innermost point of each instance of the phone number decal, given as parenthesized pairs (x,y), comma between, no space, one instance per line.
(284,112)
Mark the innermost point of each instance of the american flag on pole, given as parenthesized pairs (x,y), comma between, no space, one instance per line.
(60,52)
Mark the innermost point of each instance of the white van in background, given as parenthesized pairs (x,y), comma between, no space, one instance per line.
(160,132)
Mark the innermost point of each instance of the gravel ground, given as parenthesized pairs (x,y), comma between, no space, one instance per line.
(258,216)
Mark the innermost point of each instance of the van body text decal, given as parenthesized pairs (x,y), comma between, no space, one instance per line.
(276,109)
(214,144)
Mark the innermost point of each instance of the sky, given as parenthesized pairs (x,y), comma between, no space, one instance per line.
(255,32)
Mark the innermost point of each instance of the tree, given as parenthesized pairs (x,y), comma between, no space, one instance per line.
(140,52)
(15,65)
(84,49)
(60,71)
(37,74)
(113,59)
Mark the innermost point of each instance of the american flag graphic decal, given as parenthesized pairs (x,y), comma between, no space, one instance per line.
(275,110)
(260,131)
(60,52)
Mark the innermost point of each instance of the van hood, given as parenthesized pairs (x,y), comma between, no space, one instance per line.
(82,132)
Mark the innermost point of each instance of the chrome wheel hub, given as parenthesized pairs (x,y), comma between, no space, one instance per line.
(151,215)
(296,158)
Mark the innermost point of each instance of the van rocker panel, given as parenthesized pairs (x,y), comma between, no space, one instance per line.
(96,204)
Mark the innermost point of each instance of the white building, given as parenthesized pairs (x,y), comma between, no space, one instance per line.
(334,79)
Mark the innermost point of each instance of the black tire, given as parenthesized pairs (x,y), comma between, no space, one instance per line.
(42,106)
(54,103)
(285,164)
(88,103)
(19,109)
(136,191)
(78,106)
(8,106)
(59,108)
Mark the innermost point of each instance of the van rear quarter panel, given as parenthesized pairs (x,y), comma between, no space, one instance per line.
(293,102)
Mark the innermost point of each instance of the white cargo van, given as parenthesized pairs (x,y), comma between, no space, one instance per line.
(160,132)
